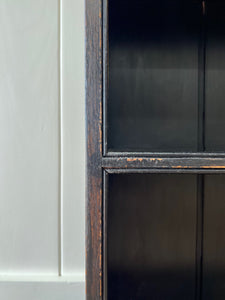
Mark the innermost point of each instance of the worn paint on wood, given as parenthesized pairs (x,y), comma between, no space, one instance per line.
(94,149)
(118,162)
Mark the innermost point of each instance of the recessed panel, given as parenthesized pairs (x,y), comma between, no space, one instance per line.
(152,102)
(29,138)
(151,236)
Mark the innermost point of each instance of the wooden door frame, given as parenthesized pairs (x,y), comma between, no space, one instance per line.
(94,287)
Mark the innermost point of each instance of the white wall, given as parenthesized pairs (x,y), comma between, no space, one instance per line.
(42,147)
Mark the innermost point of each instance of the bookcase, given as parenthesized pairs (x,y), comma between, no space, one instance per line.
(155,103)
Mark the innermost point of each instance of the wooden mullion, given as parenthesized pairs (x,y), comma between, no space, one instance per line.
(205,163)
(164,171)
(166,154)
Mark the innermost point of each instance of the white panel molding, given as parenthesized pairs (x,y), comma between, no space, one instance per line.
(42,290)
(73,135)
(79,277)
(60,266)
(29,137)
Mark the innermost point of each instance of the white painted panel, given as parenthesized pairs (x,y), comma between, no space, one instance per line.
(29,136)
(42,291)
(73,135)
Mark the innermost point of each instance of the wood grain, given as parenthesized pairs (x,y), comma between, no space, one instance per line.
(94,287)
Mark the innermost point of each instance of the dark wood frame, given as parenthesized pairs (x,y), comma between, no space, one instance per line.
(100,162)
(94,149)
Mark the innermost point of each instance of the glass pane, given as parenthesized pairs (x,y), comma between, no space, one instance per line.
(151,236)
(153,75)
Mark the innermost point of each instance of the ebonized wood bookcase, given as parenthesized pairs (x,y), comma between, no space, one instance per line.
(155,101)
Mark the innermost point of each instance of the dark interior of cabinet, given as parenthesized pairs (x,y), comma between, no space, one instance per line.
(154,242)
(166,70)
(165,92)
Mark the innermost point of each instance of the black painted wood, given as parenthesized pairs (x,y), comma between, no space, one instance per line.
(175,163)
(151,237)
(94,286)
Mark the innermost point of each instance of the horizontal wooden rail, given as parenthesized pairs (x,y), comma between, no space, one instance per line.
(163,163)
